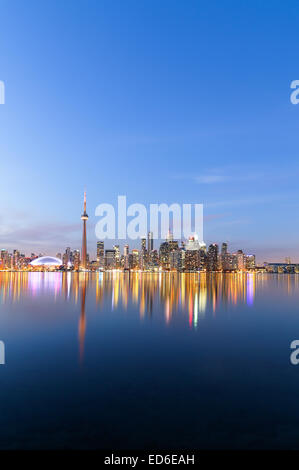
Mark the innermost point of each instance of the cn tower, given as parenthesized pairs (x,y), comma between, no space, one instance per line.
(84,217)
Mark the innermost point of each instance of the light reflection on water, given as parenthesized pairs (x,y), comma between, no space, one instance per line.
(191,293)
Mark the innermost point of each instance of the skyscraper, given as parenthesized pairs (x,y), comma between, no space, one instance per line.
(143,254)
(117,256)
(224,264)
(126,257)
(100,254)
(212,257)
(150,242)
(84,217)
(164,255)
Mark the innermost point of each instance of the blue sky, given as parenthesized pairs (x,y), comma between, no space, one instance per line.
(162,101)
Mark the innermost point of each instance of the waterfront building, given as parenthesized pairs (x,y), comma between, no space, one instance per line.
(117,256)
(126,257)
(143,254)
(250,262)
(135,259)
(212,257)
(164,255)
(109,259)
(100,254)
(150,242)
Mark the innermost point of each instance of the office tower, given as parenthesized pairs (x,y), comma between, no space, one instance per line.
(241,260)
(117,256)
(68,254)
(250,262)
(4,258)
(194,255)
(194,244)
(76,259)
(223,258)
(173,245)
(135,259)
(181,265)
(202,259)
(154,260)
(143,254)
(65,259)
(16,256)
(100,254)
(58,255)
(212,257)
(234,261)
(174,258)
(224,249)
(110,259)
(150,242)
(126,257)
(84,218)
(191,260)
(164,255)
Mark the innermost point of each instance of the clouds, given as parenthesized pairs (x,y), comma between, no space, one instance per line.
(222,178)
(40,236)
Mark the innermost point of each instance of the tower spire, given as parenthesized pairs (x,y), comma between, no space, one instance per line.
(84,218)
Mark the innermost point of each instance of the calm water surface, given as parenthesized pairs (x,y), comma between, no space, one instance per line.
(141,360)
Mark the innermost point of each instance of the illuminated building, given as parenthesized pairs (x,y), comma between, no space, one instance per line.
(153,263)
(174,259)
(135,259)
(164,255)
(224,258)
(182,256)
(16,256)
(250,262)
(117,256)
(126,257)
(4,259)
(212,257)
(109,259)
(46,261)
(194,244)
(84,218)
(241,260)
(143,254)
(150,242)
(76,259)
(191,260)
(100,254)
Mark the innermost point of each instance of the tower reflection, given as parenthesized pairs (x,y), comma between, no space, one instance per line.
(82,319)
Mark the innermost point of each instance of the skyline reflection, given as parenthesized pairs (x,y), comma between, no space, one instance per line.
(186,297)
(194,292)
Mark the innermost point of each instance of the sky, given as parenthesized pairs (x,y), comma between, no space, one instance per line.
(159,100)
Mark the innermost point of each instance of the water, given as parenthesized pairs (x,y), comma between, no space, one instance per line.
(149,361)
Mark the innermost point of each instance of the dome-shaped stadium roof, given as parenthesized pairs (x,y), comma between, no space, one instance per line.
(46,261)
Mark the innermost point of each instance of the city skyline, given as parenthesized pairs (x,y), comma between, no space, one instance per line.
(82,259)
